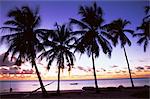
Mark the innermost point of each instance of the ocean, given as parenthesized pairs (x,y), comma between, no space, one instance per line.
(30,85)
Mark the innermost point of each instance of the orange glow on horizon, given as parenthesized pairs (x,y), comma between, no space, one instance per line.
(143,74)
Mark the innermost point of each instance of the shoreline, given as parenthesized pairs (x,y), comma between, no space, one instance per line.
(105,93)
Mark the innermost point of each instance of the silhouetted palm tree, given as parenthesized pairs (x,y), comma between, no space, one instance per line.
(144,36)
(117,30)
(59,42)
(22,40)
(91,38)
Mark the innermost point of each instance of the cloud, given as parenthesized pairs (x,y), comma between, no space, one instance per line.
(103,69)
(82,68)
(123,71)
(89,69)
(109,72)
(27,71)
(133,73)
(141,60)
(147,67)
(139,68)
(4,71)
(144,60)
(6,62)
(118,71)
(97,70)
(15,70)
(114,66)
(11,70)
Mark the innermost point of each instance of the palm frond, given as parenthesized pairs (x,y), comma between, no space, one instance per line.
(107,35)
(82,11)
(77,33)
(129,31)
(138,34)
(36,22)
(14,12)
(106,47)
(11,22)
(79,23)
(141,40)
(126,22)
(10,29)
(127,40)
(145,45)
(147,9)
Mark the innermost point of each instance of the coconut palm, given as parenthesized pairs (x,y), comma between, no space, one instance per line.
(22,40)
(144,36)
(59,49)
(91,38)
(118,32)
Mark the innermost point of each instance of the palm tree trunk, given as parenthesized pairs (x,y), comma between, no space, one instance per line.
(128,66)
(44,92)
(96,85)
(58,86)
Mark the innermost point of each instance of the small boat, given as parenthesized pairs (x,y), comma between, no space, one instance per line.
(73,83)
(34,84)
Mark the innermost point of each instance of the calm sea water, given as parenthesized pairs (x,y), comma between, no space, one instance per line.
(69,85)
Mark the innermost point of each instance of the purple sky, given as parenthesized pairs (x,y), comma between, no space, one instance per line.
(60,11)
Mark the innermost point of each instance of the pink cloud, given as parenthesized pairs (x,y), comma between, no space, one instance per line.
(82,68)
(4,71)
(27,72)
(7,62)
(147,67)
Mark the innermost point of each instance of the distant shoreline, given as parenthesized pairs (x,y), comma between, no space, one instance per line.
(78,79)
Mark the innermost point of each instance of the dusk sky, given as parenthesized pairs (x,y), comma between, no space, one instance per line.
(60,11)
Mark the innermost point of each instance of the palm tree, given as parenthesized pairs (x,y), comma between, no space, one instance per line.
(117,30)
(59,49)
(91,38)
(22,40)
(144,36)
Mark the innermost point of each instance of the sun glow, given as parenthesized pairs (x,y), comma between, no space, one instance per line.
(27,72)
(77,73)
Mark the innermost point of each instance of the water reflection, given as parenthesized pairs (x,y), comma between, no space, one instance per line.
(66,85)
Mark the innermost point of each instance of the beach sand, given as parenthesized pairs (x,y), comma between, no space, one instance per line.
(105,93)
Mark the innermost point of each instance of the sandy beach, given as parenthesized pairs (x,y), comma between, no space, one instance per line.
(105,93)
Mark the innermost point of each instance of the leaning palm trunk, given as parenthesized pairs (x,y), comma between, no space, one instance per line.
(58,86)
(128,66)
(96,85)
(44,92)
